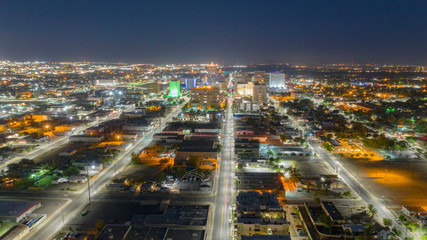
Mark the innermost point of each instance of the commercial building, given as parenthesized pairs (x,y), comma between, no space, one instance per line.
(242,77)
(174,89)
(106,82)
(245,104)
(206,97)
(277,81)
(259,76)
(260,214)
(190,83)
(246,147)
(152,88)
(16,210)
(177,223)
(260,93)
(262,181)
(86,138)
(245,89)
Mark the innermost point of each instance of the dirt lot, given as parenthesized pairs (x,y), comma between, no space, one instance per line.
(397,181)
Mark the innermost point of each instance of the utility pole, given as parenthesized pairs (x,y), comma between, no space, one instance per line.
(88,181)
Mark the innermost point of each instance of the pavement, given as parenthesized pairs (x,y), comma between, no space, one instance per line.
(222,224)
(79,201)
(56,143)
(363,192)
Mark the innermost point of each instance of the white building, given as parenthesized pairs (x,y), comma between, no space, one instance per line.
(277,81)
(107,82)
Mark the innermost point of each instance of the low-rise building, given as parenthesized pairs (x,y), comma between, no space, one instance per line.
(86,138)
(260,214)
(16,210)
(333,213)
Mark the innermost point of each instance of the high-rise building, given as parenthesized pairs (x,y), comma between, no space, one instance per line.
(277,81)
(190,83)
(241,77)
(260,93)
(259,76)
(174,89)
(245,89)
(206,97)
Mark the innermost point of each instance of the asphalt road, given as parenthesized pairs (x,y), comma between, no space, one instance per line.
(364,193)
(54,223)
(221,226)
(46,147)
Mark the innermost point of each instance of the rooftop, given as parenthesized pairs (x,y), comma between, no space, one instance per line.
(15,208)
(332,211)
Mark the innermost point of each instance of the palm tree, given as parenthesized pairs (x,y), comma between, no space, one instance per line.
(294,175)
(372,210)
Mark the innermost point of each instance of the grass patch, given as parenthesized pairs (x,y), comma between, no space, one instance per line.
(44,182)
(5,226)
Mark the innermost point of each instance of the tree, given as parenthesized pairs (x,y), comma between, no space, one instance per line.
(326,222)
(317,200)
(402,218)
(219,148)
(294,175)
(347,193)
(72,171)
(99,225)
(180,172)
(372,210)
(134,159)
(163,161)
(193,161)
(161,177)
(387,222)
(328,146)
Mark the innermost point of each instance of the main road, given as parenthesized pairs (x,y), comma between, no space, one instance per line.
(222,228)
(364,193)
(354,183)
(58,142)
(54,223)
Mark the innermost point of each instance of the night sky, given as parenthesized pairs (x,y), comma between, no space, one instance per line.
(263,31)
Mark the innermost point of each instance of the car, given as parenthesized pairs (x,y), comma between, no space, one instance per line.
(84,213)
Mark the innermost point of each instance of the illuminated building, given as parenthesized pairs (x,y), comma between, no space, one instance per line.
(153,88)
(190,84)
(174,89)
(242,77)
(260,93)
(245,89)
(259,76)
(107,82)
(206,96)
(277,81)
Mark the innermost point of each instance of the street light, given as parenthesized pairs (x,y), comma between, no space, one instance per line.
(88,179)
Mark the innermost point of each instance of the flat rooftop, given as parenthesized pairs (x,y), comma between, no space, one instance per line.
(332,211)
(15,208)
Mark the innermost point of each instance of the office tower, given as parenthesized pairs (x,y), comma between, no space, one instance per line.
(174,89)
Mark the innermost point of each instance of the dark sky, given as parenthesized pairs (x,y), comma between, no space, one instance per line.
(179,31)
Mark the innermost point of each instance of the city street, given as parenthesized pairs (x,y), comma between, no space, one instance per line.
(352,182)
(54,223)
(58,142)
(222,225)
